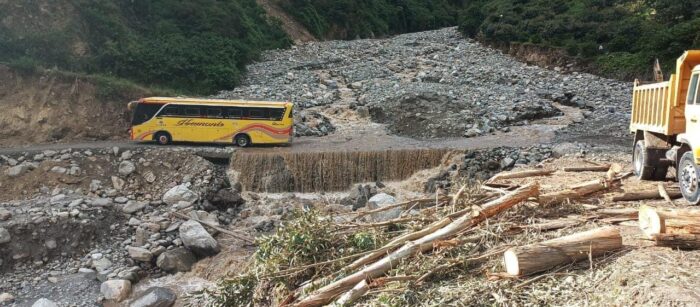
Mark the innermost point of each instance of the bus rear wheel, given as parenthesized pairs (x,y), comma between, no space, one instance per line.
(162,138)
(242,140)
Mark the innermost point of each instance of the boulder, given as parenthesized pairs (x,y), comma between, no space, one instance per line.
(139,254)
(4,236)
(118,183)
(197,239)
(155,297)
(116,290)
(6,298)
(179,193)
(42,302)
(5,214)
(126,168)
(382,200)
(16,170)
(226,198)
(176,260)
(133,206)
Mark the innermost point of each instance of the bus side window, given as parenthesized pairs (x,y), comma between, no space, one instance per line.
(171,111)
(192,112)
(276,114)
(213,112)
(234,113)
(291,113)
(257,113)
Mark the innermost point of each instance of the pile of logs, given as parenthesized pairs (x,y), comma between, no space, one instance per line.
(519,261)
(677,228)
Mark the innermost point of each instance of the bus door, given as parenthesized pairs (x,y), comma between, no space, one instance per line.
(167,120)
(214,124)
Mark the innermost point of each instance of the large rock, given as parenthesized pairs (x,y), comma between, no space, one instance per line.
(226,198)
(382,200)
(116,290)
(139,254)
(16,170)
(5,214)
(4,236)
(133,206)
(155,297)
(6,298)
(180,193)
(42,302)
(176,260)
(197,239)
(126,168)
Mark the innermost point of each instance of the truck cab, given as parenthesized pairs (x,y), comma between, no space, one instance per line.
(665,122)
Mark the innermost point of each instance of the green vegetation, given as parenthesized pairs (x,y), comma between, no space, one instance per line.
(349,19)
(620,38)
(197,46)
(279,262)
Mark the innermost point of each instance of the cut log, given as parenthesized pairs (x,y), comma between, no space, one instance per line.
(644,195)
(521,174)
(596,168)
(656,220)
(552,225)
(631,213)
(613,171)
(677,240)
(328,293)
(529,259)
(353,295)
(664,193)
(575,192)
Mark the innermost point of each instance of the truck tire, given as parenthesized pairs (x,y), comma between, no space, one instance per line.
(643,168)
(688,176)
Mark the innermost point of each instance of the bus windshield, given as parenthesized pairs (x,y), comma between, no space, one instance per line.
(144,112)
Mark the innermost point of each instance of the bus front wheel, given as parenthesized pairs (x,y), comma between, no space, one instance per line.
(242,140)
(162,138)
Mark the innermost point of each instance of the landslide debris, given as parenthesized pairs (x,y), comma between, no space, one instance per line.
(432,84)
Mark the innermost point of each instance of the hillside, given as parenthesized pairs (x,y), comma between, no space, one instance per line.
(618,38)
(193,46)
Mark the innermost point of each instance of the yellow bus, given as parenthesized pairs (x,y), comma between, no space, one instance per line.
(167,120)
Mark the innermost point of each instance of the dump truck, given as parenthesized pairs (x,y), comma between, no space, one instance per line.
(665,122)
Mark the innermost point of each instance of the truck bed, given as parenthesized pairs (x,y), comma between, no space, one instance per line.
(654,109)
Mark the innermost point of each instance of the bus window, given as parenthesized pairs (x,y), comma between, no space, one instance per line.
(171,111)
(234,113)
(291,112)
(192,112)
(257,113)
(213,112)
(276,114)
(144,112)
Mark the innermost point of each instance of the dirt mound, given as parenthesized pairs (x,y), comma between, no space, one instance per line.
(328,171)
(48,107)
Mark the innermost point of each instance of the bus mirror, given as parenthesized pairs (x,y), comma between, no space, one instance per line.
(132,105)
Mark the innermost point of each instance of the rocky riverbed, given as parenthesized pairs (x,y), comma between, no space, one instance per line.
(433,84)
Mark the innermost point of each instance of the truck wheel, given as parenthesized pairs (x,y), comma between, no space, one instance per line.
(688,175)
(639,158)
